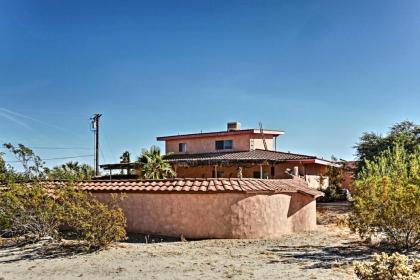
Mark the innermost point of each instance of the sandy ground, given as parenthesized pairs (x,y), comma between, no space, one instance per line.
(324,254)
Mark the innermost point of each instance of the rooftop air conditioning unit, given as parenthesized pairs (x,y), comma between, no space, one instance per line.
(233,126)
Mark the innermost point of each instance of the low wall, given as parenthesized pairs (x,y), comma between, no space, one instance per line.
(220,215)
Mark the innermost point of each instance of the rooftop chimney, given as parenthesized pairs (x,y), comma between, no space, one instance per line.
(233,126)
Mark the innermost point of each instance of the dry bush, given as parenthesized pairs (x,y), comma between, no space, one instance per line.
(342,221)
(35,212)
(28,212)
(96,223)
(388,267)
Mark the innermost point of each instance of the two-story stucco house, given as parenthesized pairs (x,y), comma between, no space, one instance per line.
(243,153)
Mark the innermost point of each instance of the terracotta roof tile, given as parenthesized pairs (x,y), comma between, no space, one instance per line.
(195,185)
(254,155)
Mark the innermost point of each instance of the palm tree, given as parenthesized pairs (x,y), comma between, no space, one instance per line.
(71,170)
(153,165)
(125,158)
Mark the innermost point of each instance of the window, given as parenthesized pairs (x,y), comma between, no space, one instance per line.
(182,147)
(224,144)
(273,171)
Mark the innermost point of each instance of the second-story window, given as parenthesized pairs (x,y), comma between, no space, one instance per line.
(182,147)
(224,144)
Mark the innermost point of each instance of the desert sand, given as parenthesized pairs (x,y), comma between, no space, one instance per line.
(327,253)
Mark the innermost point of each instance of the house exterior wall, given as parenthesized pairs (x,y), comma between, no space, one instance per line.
(258,143)
(207,144)
(241,142)
(219,215)
(231,171)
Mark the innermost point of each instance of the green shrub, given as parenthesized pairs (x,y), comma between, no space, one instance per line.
(36,212)
(96,223)
(387,199)
(29,212)
(388,267)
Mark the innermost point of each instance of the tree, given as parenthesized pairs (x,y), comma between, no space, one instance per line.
(153,165)
(125,158)
(32,164)
(71,170)
(335,175)
(405,134)
(3,169)
(387,198)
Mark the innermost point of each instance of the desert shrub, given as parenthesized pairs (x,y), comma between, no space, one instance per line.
(388,267)
(335,176)
(387,199)
(36,212)
(29,212)
(332,193)
(96,223)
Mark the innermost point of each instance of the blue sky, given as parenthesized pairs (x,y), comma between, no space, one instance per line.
(323,71)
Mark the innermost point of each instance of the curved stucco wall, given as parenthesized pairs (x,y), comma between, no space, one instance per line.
(221,215)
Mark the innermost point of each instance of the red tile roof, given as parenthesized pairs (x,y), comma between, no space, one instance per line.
(195,186)
(254,155)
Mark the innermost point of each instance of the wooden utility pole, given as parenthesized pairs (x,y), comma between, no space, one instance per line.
(95,127)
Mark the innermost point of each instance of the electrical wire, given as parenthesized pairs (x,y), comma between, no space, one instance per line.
(102,154)
(55,148)
(81,156)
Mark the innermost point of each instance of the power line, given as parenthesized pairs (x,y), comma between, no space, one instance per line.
(56,148)
(81,156)
(102,154)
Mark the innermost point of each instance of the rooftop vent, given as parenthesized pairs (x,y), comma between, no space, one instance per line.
(233,126)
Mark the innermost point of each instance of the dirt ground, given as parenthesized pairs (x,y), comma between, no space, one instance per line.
(324,254)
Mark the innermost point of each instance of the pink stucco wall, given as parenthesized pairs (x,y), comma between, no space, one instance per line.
(206,144)
(221,215)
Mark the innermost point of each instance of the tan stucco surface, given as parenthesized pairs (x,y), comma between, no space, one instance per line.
(242,142)
(220,215)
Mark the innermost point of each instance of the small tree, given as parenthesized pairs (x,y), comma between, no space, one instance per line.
(32,164)
(387,198)
(154,166)
(335,175)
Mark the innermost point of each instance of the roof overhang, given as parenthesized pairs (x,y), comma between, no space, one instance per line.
(327,162)
(267,132)
(120,165)
(316,161)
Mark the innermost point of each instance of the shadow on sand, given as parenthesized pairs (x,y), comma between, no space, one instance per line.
(13,251)
(148,238)
(323,256)
(44,249)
